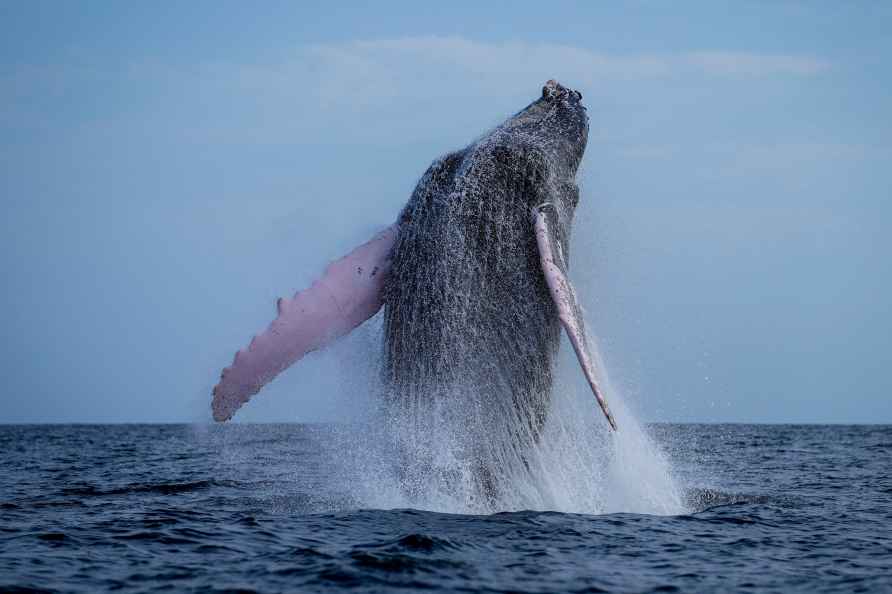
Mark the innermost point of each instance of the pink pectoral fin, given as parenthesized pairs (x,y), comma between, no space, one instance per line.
(564,297)
(348,294)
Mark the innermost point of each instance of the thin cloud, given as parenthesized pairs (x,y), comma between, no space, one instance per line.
(747,64)
(387,56)
(375,73)
(327,90)
(366,75)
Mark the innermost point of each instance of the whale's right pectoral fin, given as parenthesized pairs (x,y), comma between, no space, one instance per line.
(348,294)
(555,269)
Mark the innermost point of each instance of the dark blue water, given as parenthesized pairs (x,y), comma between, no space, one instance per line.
(253,509)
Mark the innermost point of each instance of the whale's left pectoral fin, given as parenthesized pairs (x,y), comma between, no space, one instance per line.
(349,293)
(555,269)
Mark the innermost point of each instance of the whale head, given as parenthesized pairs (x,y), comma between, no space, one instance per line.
(556,123)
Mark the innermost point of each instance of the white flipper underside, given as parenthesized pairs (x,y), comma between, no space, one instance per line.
(555,270)
(348,294)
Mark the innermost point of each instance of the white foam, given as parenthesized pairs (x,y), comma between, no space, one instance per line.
(431,459)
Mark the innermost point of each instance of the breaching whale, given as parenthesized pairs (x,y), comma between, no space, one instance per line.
(473,279)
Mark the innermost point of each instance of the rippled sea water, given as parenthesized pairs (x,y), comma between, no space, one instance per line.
(252,508)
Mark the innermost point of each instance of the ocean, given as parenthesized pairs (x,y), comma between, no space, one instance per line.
(283,508)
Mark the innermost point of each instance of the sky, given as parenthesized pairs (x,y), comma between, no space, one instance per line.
(168,169)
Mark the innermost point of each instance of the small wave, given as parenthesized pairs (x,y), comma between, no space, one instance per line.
(136,488)
(397,562)
(308,553)
(420,543)
(162,537)
(700,500)
(52,503)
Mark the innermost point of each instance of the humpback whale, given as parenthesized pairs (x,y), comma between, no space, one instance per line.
(472,277)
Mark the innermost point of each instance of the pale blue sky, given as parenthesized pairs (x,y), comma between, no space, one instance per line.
(168,170)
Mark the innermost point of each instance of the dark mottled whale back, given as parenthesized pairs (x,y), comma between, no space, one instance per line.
(467,310)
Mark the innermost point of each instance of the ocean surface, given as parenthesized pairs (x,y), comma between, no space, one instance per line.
(276,508)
